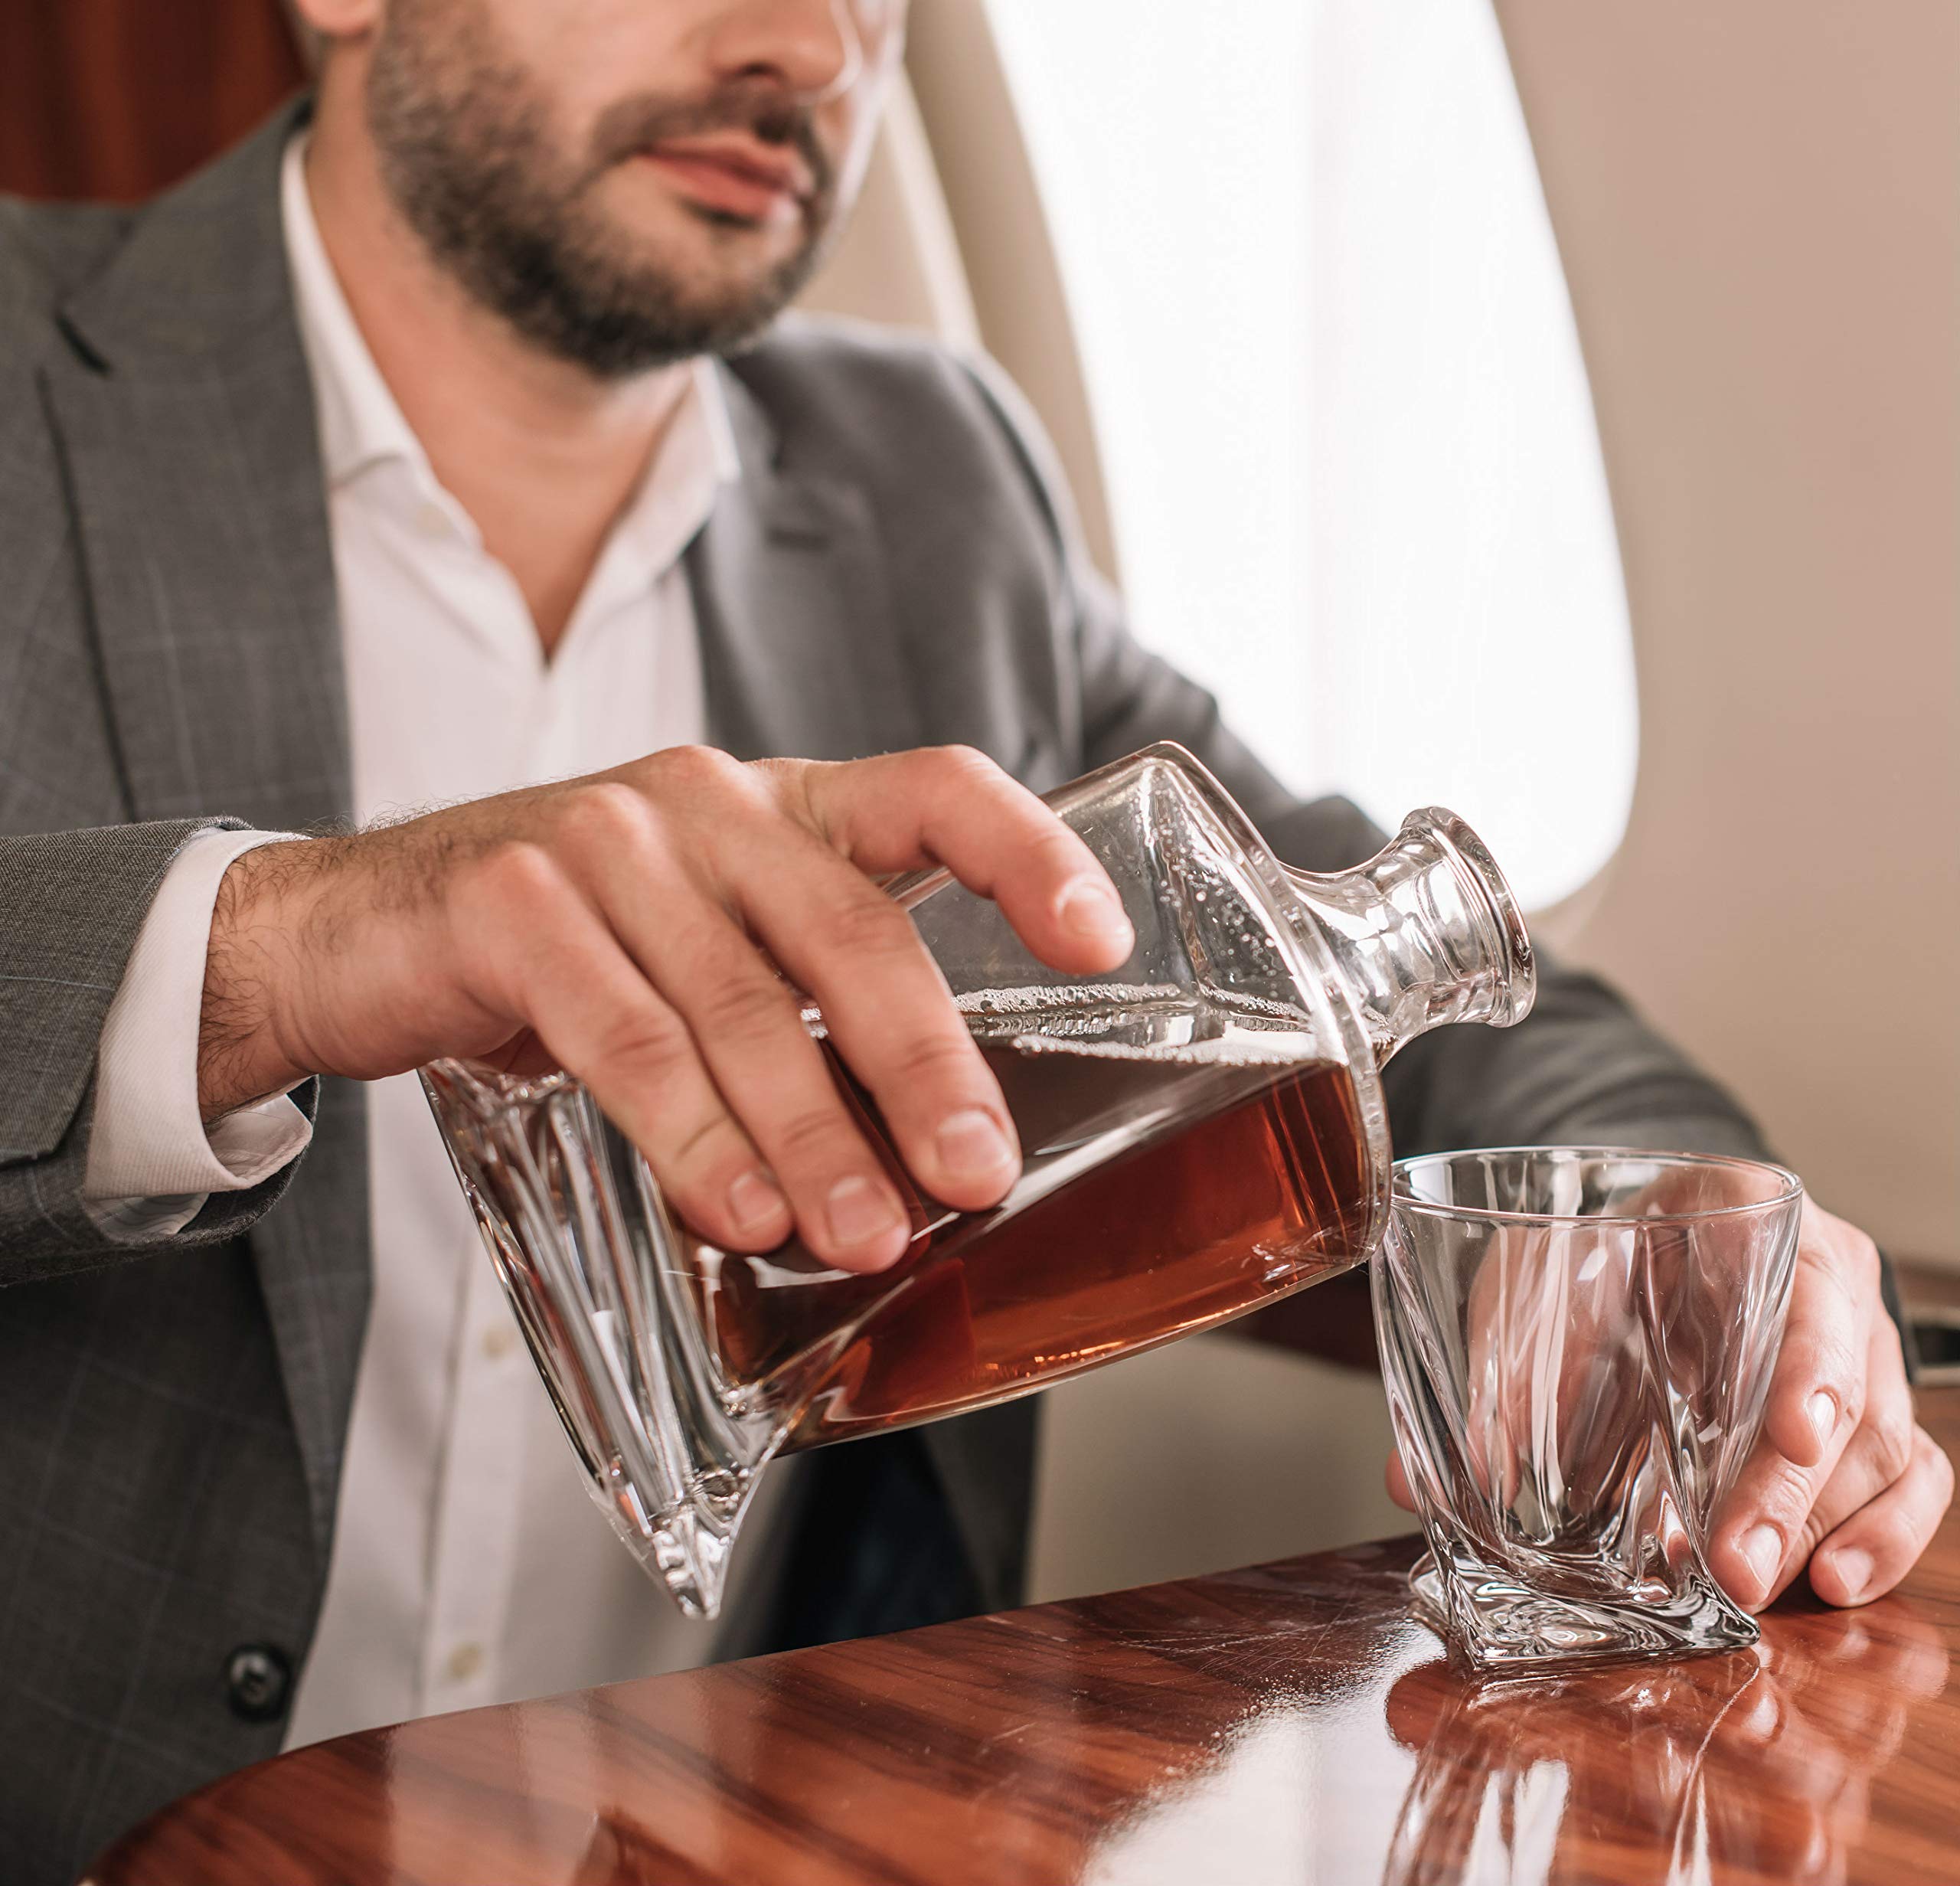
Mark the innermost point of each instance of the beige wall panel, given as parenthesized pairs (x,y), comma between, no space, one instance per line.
(1758,208)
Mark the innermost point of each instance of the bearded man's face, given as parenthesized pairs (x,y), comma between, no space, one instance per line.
(629,183)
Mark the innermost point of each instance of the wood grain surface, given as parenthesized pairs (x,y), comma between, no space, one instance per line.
(1284,1724)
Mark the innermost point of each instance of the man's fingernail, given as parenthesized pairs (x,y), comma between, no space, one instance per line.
(1822,1410)
(972,1145)
(1090,908)
(755,1203)
(859,1212)
(1854,1571)
(1762,1546)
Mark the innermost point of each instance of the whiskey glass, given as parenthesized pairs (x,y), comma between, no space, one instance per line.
(1577,1344)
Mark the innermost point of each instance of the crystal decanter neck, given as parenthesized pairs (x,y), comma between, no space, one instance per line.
(1426,932)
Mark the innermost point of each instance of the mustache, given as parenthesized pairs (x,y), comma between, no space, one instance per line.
(759,107)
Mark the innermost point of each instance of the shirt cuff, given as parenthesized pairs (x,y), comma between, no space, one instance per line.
(151,1161)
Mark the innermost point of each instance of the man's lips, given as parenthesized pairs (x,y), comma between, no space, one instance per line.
(739,177)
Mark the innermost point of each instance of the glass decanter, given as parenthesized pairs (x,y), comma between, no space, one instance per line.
(1203,1132)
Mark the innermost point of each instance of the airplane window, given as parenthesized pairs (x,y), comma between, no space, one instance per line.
(1349,442)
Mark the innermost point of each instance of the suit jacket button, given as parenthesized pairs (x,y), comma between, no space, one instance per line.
(258,1679)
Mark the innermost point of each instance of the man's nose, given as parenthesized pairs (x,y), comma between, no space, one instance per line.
(814,48)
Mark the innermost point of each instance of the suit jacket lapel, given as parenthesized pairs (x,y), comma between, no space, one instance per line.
(188,434)
(185,414)
(800,653)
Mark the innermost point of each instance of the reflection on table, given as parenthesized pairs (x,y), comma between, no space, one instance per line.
(1761,1760)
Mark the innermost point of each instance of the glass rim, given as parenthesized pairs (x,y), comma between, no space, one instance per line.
(1790,1191)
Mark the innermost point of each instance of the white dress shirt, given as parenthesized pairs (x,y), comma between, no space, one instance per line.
(469,1566)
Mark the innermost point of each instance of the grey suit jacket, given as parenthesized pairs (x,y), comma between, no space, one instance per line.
(896,567)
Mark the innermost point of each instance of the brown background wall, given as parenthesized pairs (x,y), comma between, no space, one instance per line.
(117,98)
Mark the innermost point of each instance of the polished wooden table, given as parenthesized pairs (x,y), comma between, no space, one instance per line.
(1288,1723)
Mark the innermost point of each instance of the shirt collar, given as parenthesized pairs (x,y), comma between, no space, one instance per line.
(360,425)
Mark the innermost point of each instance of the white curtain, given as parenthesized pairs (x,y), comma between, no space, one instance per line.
(1349,444)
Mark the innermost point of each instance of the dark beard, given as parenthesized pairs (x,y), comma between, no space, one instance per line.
(466,155)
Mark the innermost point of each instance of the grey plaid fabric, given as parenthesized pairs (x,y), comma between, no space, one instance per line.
(894,568)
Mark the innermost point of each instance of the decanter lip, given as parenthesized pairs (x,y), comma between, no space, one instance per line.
(1789,1187)
(1496,904)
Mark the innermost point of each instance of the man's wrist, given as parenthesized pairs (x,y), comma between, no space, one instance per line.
(151,1160)
(245,1037)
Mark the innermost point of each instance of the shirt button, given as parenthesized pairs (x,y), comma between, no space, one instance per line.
(258,1679)
(431,519)
(464,1661)
(499,1341)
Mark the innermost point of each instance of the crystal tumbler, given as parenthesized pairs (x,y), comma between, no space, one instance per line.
(1577,1344)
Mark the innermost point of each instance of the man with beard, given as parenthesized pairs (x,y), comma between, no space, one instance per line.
(410,455)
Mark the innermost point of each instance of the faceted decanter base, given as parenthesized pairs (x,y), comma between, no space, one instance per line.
(1501,1626)
(684,1546)
(583,1245)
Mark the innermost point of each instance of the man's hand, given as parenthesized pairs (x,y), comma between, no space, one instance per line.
(1842,1480)
(627,927)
